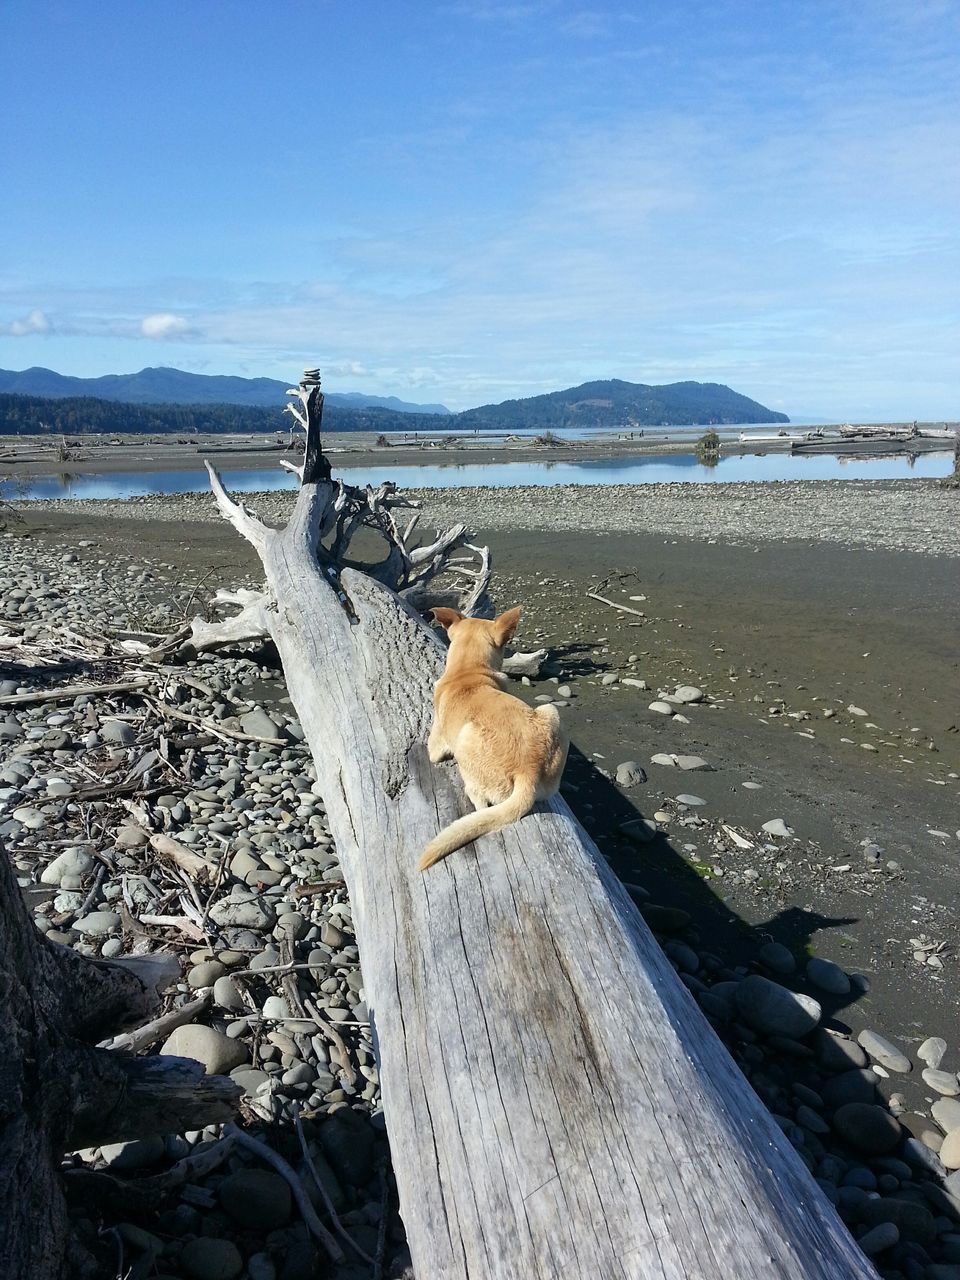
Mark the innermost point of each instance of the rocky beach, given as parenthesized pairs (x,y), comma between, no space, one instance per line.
(761,684)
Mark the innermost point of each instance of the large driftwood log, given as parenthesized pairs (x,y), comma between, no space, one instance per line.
(59,1092)
(557,1105)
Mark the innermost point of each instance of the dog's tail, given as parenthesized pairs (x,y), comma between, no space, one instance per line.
(473,825)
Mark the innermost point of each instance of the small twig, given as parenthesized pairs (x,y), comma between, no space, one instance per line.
(212,726)
(215,888)
(307,1210)
(321,1187)
(153,1031)
(335,1038)
(74,691)
(176,922)
(94,893)
(613,604)
(192,863)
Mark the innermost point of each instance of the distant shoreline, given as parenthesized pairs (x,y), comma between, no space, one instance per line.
(37,455)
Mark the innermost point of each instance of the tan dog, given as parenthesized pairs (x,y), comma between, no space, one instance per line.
(509,755)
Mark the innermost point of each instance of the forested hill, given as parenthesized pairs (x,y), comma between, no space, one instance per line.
(613,403)
(80,415)
(594,404)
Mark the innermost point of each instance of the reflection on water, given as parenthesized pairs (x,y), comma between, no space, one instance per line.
(660,469)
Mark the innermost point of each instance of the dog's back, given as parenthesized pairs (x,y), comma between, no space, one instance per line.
(509,755)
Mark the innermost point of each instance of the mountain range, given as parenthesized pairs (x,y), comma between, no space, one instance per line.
(176,386)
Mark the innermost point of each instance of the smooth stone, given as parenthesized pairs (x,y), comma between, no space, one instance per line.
(662,757)
(118,732)
(874,1241)
(249,1079)
(946,1112)
(243,864)
(73,862)
(259,725)
(775,956)
(608,678)
(640,830)
(630,774)
(276,1007)
(208,1258)
(694,764)
(662,708)
(112,947)
(687,693)
(227,995)
(774,1010)
(217,1052)
(98,924)
(205,974)
(260,1267)
(807,1117)
(251,913)
(256,1198)
(859,1085)
(692,802)
(664,919)
(299,1073)
(920,1156)
(130,836)
(943,1082)
(867,1128)
(915,1221)
(882,1051)
(828,976)
(932,1051)
(777,827)
(137,1154)
(836,1053)
(348,1144)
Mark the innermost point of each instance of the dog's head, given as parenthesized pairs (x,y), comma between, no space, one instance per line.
(488,638)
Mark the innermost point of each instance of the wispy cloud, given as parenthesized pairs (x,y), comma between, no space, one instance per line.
(164,325)
(35,322)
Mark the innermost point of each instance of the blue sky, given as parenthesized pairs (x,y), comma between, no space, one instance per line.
(466,201)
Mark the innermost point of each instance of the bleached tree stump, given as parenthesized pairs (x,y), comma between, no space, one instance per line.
(59,1093)
(556,1103)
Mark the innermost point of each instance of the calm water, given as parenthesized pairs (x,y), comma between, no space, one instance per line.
(680,468)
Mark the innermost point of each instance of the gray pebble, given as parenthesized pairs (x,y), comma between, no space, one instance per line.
(828,976)
(884,1052)
(883,1236)
(932,1051)
(775,1010)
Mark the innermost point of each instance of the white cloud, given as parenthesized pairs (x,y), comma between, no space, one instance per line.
(164,324)
(34,322)
(348,369)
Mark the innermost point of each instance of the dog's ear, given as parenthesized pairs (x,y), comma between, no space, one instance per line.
(505,626)
(448,618)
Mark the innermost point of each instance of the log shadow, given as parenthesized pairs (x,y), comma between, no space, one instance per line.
(674,880)
(568,661)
